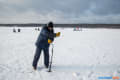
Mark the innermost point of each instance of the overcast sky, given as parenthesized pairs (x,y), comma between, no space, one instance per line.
(60,11)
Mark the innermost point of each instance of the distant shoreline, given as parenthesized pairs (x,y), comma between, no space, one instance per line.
(64,25)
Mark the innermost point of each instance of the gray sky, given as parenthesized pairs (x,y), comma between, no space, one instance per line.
(60,11)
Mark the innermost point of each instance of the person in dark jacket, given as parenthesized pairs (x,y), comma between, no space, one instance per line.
(46,37)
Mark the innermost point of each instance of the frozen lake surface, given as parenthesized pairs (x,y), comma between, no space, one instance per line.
(78,55)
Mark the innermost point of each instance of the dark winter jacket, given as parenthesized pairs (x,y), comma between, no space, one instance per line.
(43,37)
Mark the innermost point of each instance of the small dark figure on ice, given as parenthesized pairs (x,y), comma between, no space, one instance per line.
(14,30)
(19,30)
(43,42)
(38,29)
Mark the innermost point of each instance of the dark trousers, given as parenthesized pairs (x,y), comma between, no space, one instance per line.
(37,56)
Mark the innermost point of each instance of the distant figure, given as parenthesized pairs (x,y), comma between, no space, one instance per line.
(38,29)
(44,40)
(14,30)
(19,30)
(77,29)
(35,28)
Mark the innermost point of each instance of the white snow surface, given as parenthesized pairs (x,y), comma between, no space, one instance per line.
(78,55)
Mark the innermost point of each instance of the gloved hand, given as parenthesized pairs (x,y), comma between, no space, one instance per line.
(58,34)
(49,41)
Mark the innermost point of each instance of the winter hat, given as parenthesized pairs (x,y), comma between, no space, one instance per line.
(50,24)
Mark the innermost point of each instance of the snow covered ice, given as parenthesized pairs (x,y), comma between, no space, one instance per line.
(78,55)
